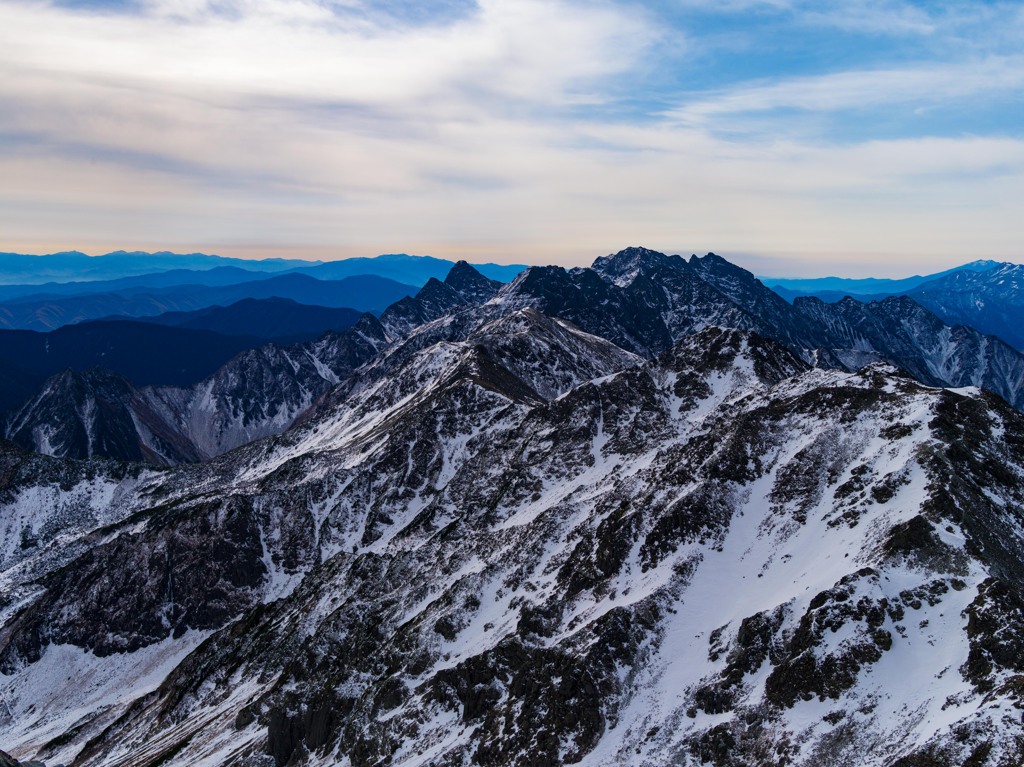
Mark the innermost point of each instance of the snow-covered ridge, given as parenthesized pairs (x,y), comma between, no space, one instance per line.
(720,551)
(638,300)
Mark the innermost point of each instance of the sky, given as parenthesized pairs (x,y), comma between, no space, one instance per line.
(796,138)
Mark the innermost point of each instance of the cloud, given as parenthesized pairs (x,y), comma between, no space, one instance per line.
(876,17)
(861,90)
(218,87)
(508,129)
(537,51)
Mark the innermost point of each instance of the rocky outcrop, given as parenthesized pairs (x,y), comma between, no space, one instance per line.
(718,555)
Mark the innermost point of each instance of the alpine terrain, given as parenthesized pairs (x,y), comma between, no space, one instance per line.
(984,295)
(645,513)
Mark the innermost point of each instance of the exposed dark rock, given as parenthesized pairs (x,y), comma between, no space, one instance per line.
(504,541)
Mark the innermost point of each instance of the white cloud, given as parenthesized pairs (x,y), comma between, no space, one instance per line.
(854,90)
(539,51)
(277,127)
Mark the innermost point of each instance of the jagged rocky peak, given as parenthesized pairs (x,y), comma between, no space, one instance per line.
(96,413)
(546,355)
(368,327)
(464,286)
(465,280)
(435,296)
(770,311)
(712,261)
(555,291)
(724,274)
(622,267)
(539,277)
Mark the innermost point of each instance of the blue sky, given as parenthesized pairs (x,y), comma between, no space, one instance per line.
(878,137)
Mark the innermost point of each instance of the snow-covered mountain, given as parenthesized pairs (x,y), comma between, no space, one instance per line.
(644,301)
(504,541)
(259,392)
(984,295)
(989,300)
(638,299)
(866,286)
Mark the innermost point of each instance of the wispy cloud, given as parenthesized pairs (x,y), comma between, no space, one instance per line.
(884,17)
(919,84)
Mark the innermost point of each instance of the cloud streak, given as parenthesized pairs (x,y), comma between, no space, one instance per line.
(865,89)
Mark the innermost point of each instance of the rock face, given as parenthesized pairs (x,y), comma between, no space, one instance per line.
(902,332)
(505,541)
(989,300)
(639,300)
(257,393)
(463,286)
(97,413)
(645,301)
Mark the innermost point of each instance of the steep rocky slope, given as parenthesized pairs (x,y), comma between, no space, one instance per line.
(259,392)
(989,300)
(903,332)
(638,299)
(463,286)
(96,413)
(716,556)
(984,295)
(644,301)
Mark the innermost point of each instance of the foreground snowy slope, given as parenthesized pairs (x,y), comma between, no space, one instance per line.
(527,547)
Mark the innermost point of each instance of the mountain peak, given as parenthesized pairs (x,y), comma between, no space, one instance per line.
(465,280)
(462,270)
(983,264)
(622,267)
(712,262)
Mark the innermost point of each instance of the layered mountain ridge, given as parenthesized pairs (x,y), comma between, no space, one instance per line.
(43,312)
(988,300)
(259,392)
(95,413)
(571,521)
(984,295)
(720,556)
(638,299)
(122,269)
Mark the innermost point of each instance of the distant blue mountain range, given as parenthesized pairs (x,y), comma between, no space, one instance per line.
(22,270)
(846,286)
(18,268)
(412,270)
(46,311)
(142,283)
(273,319)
